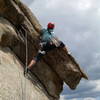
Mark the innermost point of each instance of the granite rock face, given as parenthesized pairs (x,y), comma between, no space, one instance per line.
(13,85)
(15,22)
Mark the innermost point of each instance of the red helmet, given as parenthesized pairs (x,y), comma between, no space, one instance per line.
(51,25)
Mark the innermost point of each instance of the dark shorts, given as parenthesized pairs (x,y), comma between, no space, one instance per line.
(46,48)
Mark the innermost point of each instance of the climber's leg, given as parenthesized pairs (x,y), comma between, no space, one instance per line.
(49,47)
(36,59)
(62,45)
(33,62)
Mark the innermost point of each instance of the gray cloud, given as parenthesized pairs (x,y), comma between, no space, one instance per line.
(85,89)
(77,25)
(27,2)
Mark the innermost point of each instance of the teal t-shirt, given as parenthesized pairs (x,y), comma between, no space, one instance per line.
(46,35)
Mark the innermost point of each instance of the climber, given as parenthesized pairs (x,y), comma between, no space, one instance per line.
(48,42)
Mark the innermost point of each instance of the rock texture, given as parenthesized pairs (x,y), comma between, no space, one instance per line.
(13,85)
(15,22)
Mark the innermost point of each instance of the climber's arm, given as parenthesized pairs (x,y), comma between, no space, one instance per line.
(59,43)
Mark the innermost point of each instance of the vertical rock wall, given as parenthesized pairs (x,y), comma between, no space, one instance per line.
(13,85)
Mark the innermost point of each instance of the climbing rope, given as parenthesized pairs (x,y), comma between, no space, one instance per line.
(26,50)
(26,63)
(24,39)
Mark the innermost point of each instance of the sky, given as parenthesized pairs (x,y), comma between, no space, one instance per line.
(77,25)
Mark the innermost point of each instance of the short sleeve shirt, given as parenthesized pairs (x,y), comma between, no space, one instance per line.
(46,36)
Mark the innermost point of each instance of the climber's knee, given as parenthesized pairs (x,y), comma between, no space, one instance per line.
(62,45)
(39,55)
